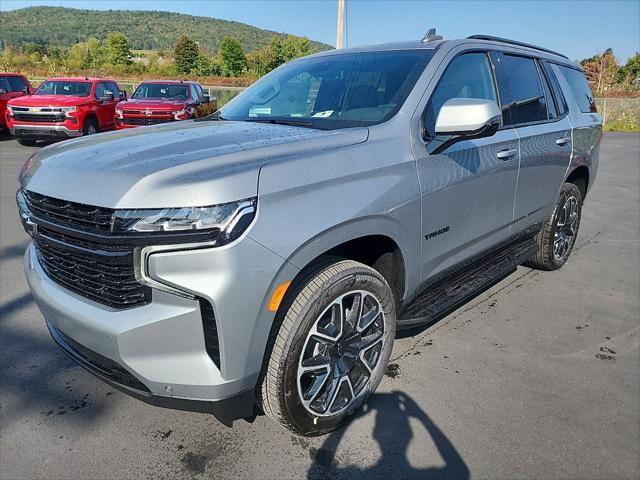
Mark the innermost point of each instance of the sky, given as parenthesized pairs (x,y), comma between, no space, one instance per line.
(576,28)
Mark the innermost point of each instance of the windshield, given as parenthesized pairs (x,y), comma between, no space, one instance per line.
(60,87)
(161,90)
(336,91)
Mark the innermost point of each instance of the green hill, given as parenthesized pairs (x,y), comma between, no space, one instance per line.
(145,30)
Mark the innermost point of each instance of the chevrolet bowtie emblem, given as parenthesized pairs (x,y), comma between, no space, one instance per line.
(147,113)
(33,109)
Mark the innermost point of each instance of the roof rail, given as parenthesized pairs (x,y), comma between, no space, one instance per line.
(515,42)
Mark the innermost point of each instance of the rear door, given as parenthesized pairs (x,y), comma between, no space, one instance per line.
(468,188)
(544,130)
(586,122)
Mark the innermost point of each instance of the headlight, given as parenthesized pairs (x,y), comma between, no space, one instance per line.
(119,112)
(10,109)
(68,110)
(229,219)
(179,112)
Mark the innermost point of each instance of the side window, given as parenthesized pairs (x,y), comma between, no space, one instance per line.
(552,110)
(561,102)
(115,89)
(467,76)
(17,83)
(194,93)
(100,88)
(199,90)
(521,93)
(579,88)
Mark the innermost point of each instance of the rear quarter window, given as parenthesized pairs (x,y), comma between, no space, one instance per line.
(580,88)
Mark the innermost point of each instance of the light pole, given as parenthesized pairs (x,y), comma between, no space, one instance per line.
(340,33)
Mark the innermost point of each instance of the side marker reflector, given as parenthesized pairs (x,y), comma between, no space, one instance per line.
(278,295)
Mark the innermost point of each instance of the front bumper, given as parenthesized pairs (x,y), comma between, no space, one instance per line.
(157,352)
(25,130)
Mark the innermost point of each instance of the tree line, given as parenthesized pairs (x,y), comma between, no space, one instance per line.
(608,77)
(115,56)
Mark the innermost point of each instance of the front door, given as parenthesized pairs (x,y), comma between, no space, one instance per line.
(468,188)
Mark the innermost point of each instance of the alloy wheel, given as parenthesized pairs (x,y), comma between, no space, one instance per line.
(340,354)
(566,229)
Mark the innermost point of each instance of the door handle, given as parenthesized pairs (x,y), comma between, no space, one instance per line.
(507,153)
(563,140)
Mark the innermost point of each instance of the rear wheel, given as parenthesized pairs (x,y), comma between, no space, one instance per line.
(558,235)
(90,126)
(27,142)
(331,349)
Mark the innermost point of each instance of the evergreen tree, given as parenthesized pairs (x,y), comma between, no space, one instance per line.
(118,49)
(232,59)
(185,54)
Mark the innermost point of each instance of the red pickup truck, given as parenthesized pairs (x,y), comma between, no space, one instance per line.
(12,85)
(161,101)
(63,108)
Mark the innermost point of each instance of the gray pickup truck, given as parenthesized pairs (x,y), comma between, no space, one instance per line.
(263,257)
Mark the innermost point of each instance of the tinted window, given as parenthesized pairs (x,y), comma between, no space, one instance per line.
(552,110)
(334,91)
(561,103)
(100,88)
(4,84)
(579,88)
(162,90)
(61,87)
(17,83)
(521,94)
(467,76)
(199,90)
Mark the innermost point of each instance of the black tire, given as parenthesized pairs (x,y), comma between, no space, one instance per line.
(27,142)
(280,396)
(546,258)
(90,126)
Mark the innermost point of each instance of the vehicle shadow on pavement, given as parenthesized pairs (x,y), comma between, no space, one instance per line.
(37,379)
(393,433)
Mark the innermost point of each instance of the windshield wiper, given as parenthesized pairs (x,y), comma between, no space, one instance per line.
(212,116)
(281,121)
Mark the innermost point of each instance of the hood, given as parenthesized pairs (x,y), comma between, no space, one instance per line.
(153,104)
(48,101)
(173,165)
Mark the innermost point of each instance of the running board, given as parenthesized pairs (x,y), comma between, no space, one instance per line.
(453,291)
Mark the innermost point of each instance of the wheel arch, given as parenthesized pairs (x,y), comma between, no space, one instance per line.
(579,176)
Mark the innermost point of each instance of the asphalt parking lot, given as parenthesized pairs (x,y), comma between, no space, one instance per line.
(537,378)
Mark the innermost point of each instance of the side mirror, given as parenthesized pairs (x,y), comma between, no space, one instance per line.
(3,91)
(123,94)
(468,117)
(25,90)
(107,96)
(205,98)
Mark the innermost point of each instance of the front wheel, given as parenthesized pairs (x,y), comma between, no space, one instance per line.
(331,349)
(559,233)
(27,142)
(90,126)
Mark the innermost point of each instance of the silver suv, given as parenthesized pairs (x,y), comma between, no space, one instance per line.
(262,258)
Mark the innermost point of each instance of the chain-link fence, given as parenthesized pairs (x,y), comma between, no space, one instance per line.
(620,114)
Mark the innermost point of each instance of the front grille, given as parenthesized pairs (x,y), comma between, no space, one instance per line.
(96,277)
(76,249)
(26,117)
(71,214)
(145,121)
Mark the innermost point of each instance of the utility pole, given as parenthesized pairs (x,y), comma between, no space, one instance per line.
(340,33)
